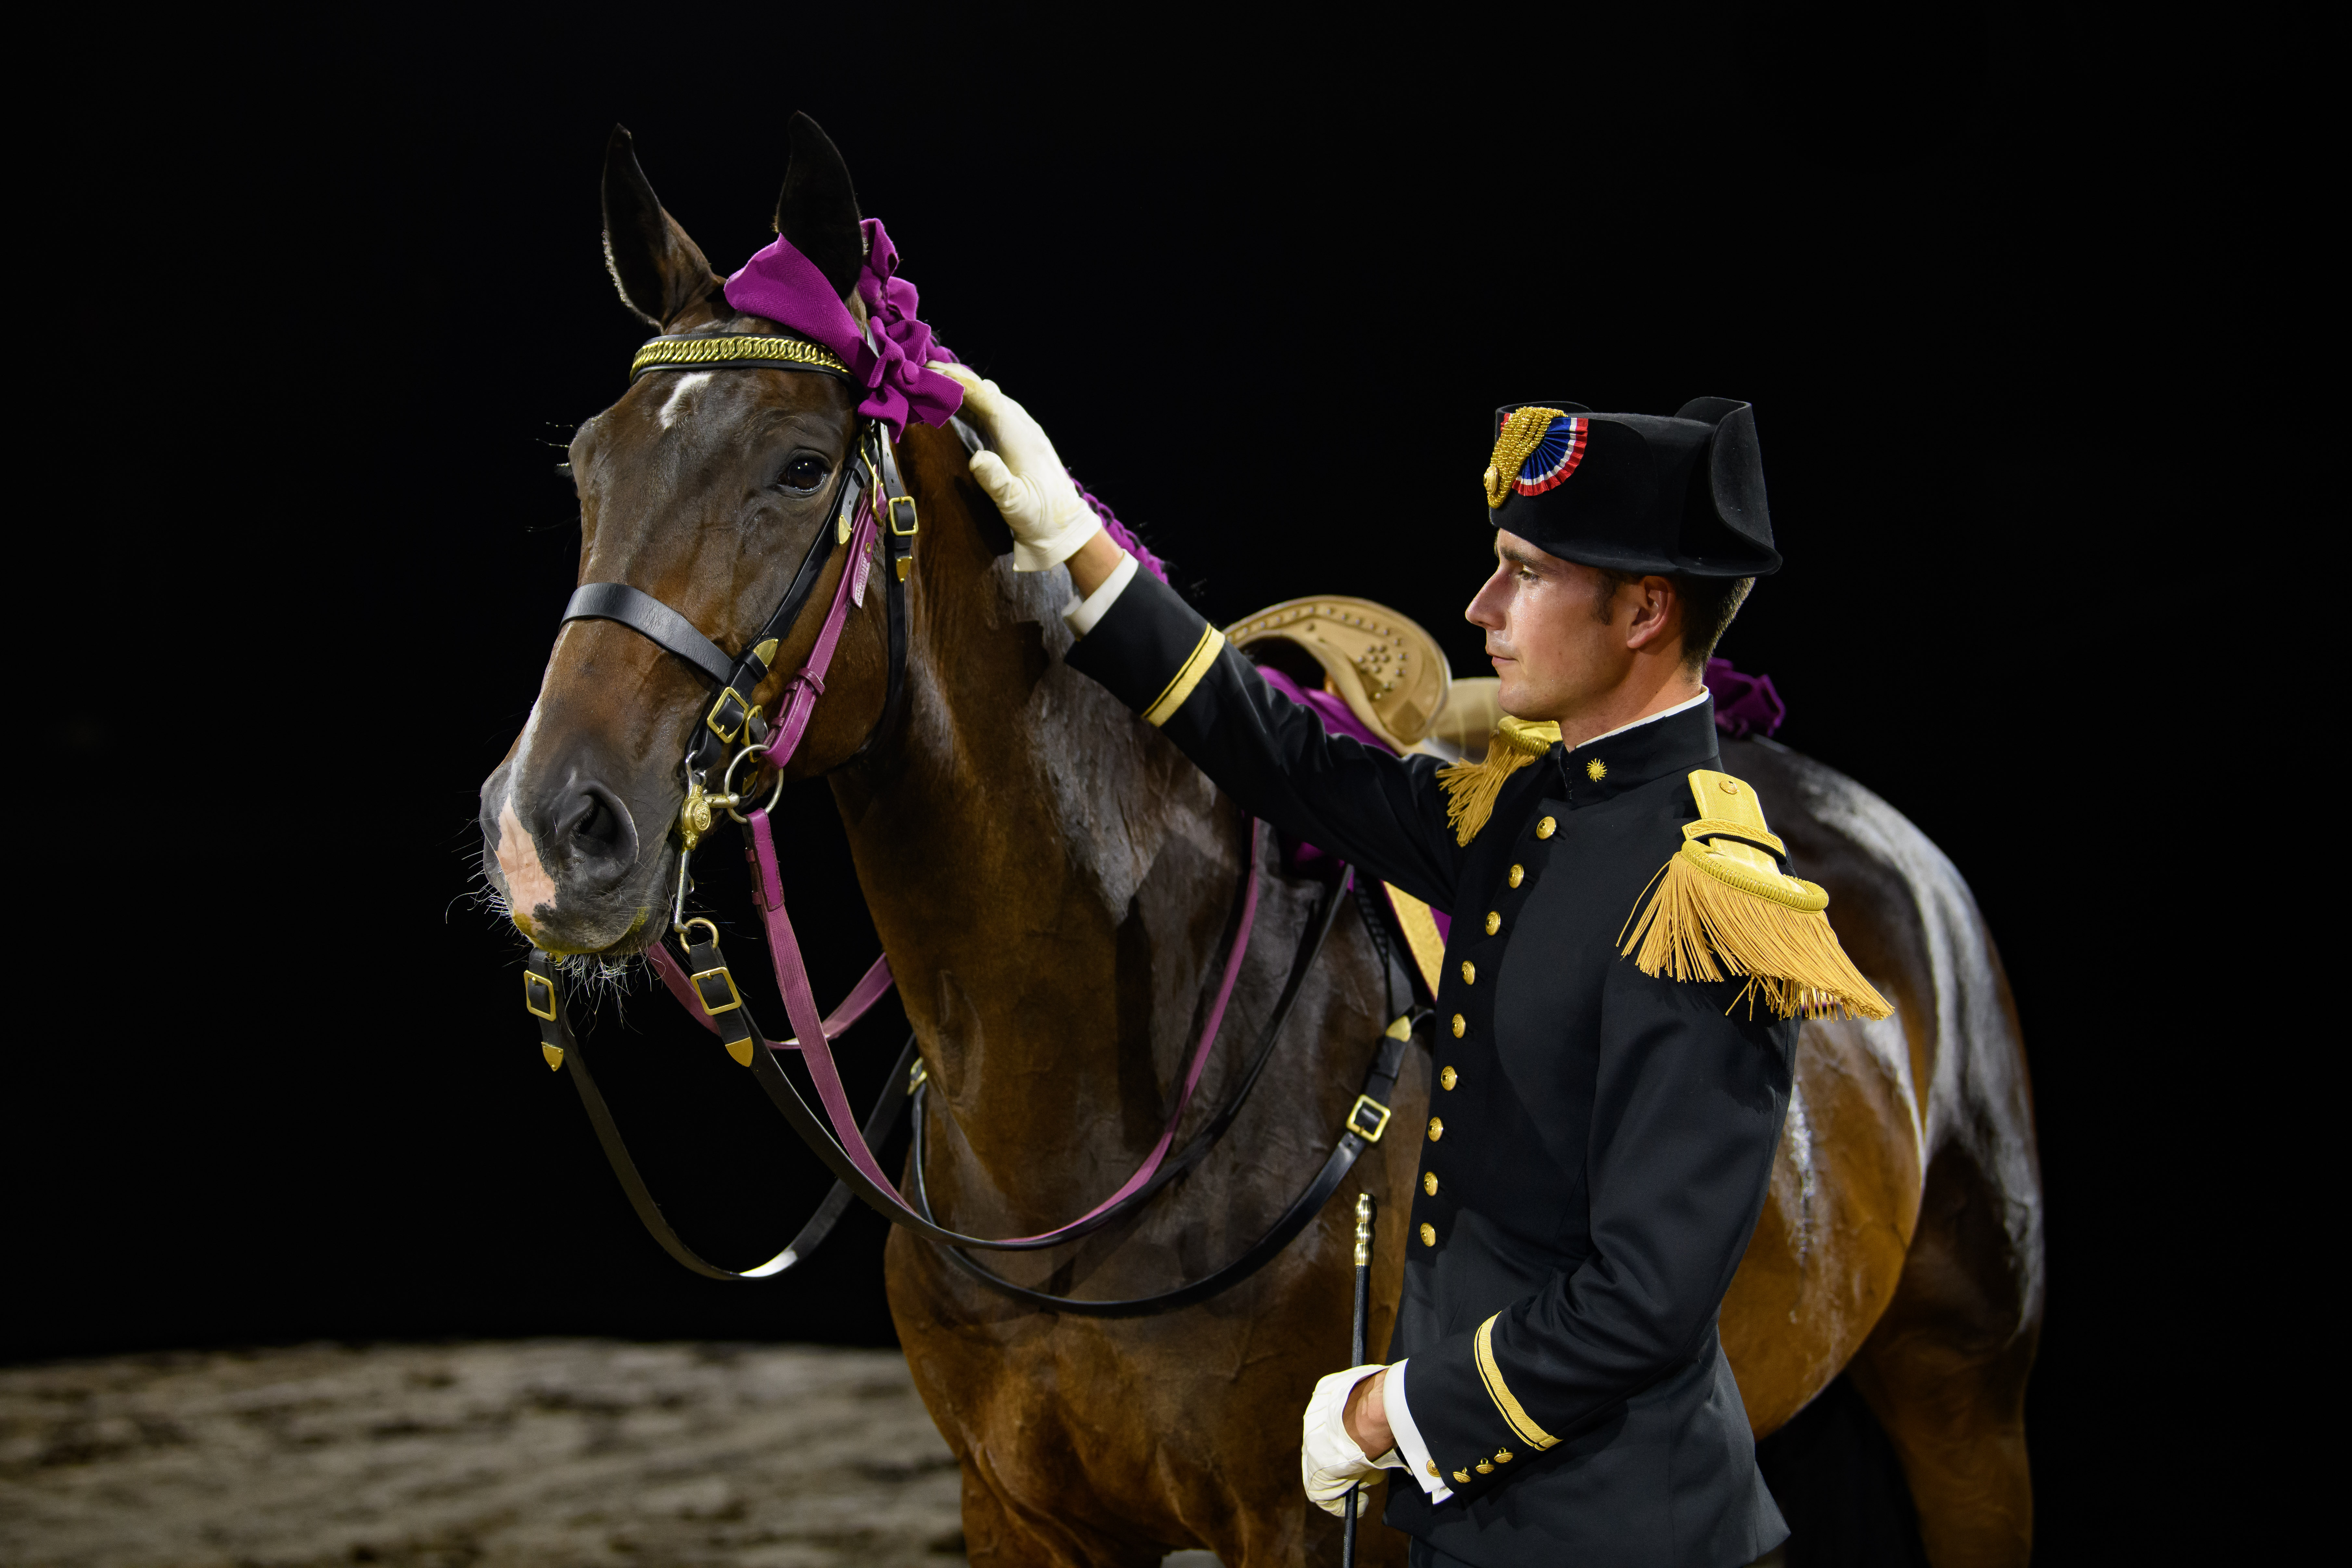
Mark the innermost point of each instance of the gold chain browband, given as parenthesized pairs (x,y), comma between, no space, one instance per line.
(668,352)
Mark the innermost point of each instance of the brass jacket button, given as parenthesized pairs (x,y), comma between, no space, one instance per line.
(1485,1467)
(1517,872)
(1462,1476)
(1460,1024)
(1437,1127)
(1469,972)
(1502,1456)
(1429,1182)
(1546,827)
(1431,1467)
(1493,922)
(1448,1077)
(1428,1234)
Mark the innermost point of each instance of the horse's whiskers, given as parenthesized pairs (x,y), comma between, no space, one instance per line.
(595,977)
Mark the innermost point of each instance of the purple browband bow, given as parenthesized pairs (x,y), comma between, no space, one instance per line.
(889,358)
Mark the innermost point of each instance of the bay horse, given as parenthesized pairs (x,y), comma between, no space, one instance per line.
(1052,883)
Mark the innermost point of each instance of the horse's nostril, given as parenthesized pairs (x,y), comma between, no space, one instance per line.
(598,827)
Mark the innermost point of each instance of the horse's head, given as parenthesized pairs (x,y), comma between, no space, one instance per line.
(705,489)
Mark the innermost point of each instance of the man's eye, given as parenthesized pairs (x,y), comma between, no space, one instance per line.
(802,475)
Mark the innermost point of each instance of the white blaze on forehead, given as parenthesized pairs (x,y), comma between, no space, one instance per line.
(677,403)
(528,884)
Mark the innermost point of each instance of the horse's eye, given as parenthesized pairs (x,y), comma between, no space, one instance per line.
(802,475)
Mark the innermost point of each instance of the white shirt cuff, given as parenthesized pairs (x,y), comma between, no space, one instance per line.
(1082,614)
(1410,1447)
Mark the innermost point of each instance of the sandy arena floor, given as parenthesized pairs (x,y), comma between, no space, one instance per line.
(544,1452)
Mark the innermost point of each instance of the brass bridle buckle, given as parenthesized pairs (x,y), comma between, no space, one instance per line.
(745,712)
(734,997)
(530,1000)
(707,983)
(1365,1102)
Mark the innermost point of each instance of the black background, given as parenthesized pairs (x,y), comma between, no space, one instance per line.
(322,311)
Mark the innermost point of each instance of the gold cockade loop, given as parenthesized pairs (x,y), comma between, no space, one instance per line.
(727,350)
(1522,433)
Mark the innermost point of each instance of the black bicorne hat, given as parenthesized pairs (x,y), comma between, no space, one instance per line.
(1635,492)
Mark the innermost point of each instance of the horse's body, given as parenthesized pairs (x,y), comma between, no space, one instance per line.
(1053,882)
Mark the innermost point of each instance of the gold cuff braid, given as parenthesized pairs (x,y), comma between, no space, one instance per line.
(1188,675)
(1514,1413)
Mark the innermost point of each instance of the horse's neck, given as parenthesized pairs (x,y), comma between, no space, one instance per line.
(1050,879)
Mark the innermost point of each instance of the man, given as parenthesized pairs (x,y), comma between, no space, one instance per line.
(1618,1006)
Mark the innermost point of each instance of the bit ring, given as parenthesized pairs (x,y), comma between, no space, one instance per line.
(727,783)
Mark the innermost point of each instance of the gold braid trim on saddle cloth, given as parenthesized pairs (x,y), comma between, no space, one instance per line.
(1724,904)
(1472,787)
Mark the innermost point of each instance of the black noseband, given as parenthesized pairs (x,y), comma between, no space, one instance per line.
(654,620)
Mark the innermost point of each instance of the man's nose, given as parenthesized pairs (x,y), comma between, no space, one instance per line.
(1481,613)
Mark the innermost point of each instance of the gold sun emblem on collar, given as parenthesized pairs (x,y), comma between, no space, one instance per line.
(1596,770)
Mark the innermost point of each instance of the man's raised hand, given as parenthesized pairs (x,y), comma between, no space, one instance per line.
(1023,475)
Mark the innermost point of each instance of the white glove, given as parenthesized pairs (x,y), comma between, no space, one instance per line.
(1023,477)
(1330,1462)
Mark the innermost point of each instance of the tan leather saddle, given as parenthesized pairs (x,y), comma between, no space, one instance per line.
(1389,671)
(1393,677)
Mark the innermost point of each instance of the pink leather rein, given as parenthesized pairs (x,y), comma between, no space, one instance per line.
(813,1035)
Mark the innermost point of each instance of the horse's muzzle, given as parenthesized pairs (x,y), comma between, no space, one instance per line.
(566,851)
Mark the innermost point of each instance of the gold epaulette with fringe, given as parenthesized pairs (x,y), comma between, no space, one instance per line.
(1471,789)
(1724,904)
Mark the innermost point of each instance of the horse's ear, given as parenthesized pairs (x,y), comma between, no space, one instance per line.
(658,271)
(818,209)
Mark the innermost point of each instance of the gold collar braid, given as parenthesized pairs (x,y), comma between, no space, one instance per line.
(682,354)
(1523,432)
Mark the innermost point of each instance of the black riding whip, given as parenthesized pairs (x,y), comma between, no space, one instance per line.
(1356,1348)
(1377,929)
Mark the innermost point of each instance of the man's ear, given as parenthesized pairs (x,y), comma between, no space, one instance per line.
(1657,614)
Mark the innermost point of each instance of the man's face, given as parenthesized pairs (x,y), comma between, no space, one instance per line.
(1560,635)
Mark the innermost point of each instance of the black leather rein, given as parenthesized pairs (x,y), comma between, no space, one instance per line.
(1366,1119)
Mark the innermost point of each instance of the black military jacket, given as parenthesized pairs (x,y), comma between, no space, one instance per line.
(1600,1139)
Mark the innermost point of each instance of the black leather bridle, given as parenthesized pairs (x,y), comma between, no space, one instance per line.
(732,717)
